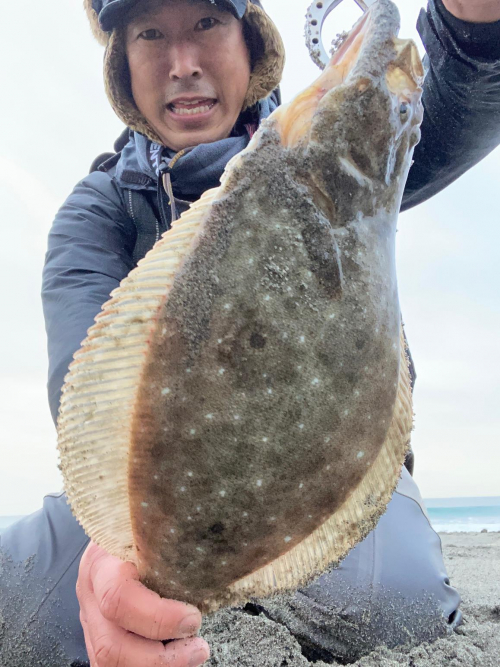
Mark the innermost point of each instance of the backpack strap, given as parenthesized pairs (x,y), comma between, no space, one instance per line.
(148,225)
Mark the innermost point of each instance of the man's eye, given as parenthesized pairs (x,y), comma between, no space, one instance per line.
(150,34)
(207,23)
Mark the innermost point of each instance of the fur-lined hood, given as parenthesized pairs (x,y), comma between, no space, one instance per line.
(265,77)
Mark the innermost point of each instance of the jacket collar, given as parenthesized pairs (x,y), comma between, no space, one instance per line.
(196,171)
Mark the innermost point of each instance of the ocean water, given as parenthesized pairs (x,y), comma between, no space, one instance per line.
(468,515)
(448,515)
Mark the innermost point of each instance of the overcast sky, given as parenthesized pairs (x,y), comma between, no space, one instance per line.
(57,119)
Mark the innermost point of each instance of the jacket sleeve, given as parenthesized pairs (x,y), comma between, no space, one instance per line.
(461,101)
(89,252)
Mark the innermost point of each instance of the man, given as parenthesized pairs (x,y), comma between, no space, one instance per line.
(193,79)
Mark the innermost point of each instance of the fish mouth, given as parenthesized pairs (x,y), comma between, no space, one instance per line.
(371,51)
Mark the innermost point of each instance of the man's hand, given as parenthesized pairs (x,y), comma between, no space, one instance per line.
(124,622)
(475,11)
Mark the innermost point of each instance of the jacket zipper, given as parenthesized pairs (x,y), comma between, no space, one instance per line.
(167,184)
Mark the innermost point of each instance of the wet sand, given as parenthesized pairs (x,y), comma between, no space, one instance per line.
(473,562)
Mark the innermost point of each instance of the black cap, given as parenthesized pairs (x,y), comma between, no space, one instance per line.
(109,11)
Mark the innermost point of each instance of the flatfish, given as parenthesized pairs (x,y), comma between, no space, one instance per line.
(237,418)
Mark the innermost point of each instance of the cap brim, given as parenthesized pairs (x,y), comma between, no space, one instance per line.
(110,15)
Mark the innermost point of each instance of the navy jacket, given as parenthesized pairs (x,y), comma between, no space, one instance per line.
(90,251)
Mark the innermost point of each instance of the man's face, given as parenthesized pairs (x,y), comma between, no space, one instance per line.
(190,69)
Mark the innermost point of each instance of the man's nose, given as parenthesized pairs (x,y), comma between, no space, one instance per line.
(184,62)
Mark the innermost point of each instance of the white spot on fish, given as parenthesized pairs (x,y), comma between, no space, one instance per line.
(328,467)
(192,431)
(301,426)
(331,316)
(369,417)
(182,489)
(227,306)
(250,261)
(219,340)
(267,297)
(155,477)
(315,381)
(209,416)
(327,439)
(346,412)
(284,336)
(299,368)
(165,391)
(259,482)
(144,504)
(198,509)
(269,391)
(188,370)
(157,573)
(302,339)
(190,518)
(222,493)
(223,562)
(172,530)
(189,473)
(164,331)
(309,274)
(264,375)
(245,514)
(288,539)
(202,551)
(301,485)
(264,439)
(360,455)
(356,392)
(222,371)
(272,518)
(174,583)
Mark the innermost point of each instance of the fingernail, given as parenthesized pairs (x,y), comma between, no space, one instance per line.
(198,658)
(190,625)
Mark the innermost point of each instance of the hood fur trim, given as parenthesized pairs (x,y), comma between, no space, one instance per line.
(101,36)
(265,77)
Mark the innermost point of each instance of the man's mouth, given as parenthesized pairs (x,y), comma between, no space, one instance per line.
(191,107)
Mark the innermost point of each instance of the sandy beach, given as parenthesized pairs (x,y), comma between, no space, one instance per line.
(473,563)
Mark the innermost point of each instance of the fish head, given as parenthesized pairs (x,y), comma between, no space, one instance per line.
(356,126)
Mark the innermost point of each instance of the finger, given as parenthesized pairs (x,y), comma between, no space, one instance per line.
(123,600)
(113,646)
(88,643)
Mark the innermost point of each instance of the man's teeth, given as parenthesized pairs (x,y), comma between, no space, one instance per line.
(182,111)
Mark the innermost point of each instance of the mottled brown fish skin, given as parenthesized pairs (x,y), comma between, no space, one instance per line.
(272,372)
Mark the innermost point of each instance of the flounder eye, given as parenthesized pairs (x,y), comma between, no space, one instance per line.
(404,110)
